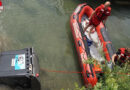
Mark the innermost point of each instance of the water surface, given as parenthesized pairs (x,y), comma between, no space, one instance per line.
(44,24)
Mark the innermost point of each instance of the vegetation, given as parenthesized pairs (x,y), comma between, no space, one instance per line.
(116,79)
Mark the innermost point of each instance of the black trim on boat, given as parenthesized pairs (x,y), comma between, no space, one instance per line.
(110,49)
(85,41)
(79,43)
(105,35)
(88,74)
(106,39)
(74,16)
(91,66)
(83,36)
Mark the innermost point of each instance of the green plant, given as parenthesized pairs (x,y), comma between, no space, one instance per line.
(90,61)
(116,79)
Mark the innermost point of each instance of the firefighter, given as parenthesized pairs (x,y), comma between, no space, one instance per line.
(121,56)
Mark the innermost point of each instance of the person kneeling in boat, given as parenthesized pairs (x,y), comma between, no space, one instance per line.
(99,15)
(122,56)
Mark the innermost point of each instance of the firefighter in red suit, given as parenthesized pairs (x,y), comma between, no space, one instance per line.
(99,15)
(121,56)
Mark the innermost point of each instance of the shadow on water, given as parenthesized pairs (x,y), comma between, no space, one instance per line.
(121,11)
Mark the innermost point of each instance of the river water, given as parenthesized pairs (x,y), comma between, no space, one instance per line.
(44,24)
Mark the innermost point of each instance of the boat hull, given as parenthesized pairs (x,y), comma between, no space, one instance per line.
(82,47)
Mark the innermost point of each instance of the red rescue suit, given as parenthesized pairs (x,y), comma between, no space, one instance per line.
(100,15)
(121,56)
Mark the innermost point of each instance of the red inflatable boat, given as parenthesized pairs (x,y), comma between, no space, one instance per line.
(87,47)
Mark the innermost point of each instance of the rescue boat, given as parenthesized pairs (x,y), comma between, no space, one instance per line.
(90,47)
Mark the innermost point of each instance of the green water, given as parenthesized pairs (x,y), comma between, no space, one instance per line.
(44,24)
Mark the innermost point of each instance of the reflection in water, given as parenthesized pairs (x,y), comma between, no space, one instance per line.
(3,87)
(5,41)
(44,24)
(119,26)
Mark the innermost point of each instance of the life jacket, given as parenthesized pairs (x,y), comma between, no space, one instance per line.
(121,56)
(101,13)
